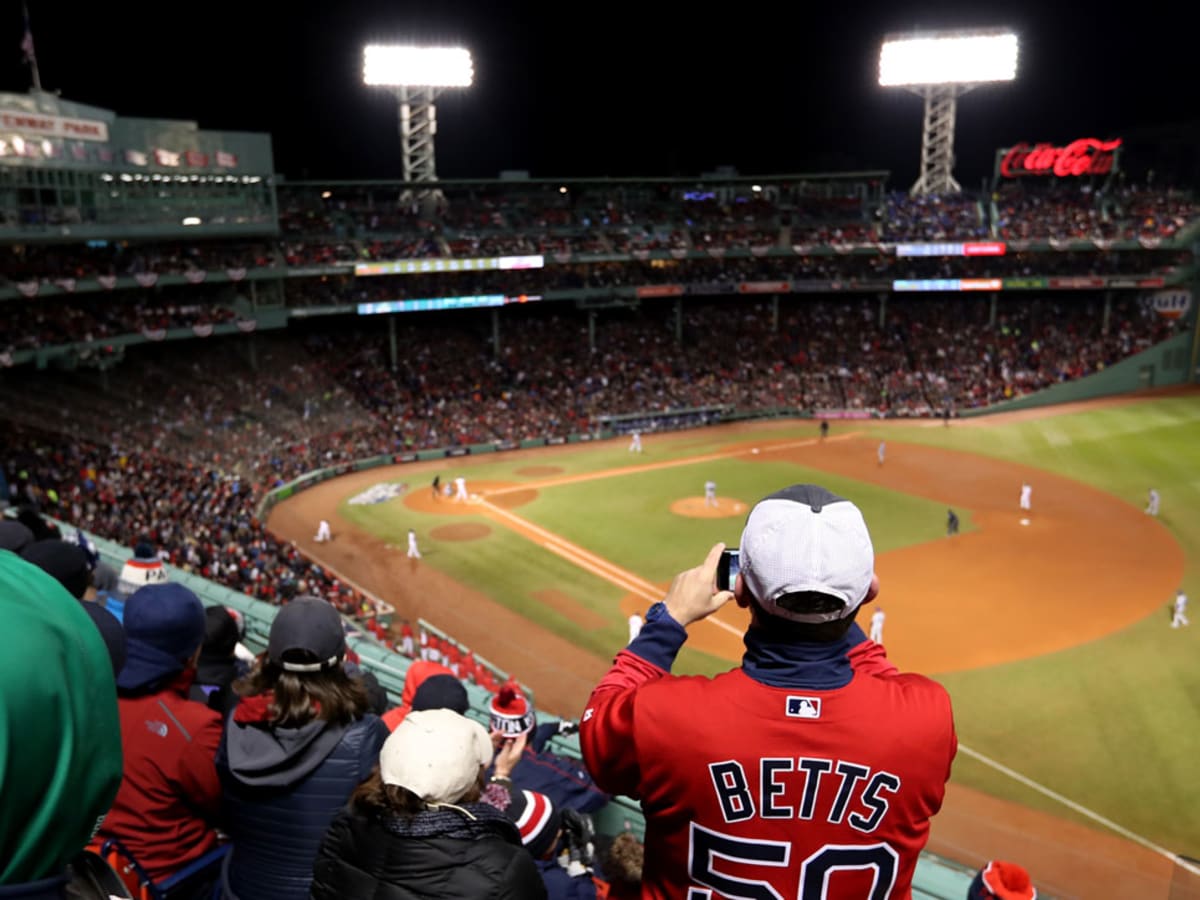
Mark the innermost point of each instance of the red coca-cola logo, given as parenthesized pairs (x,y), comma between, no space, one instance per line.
(1086,156)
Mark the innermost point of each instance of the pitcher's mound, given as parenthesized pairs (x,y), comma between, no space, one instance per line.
(699,508)
(467,531)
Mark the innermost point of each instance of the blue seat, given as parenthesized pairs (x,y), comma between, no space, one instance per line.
(181,884)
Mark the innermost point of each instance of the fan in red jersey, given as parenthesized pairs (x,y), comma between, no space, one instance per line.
(812,770)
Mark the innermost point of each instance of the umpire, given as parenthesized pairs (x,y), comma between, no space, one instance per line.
(812,769)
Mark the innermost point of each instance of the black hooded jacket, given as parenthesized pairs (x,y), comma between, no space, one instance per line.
(467,853)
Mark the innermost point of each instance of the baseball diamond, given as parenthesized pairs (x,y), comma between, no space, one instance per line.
(1067,594)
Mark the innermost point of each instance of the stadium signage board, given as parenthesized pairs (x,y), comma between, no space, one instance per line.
(442,264)
(436,304)
(948,284)
(969,248)
(660,290)
(21,122)
(1085,156)
(764,287)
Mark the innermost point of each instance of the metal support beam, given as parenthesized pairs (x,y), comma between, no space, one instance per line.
(592,330)
(678,322)
(393,352)
(883,310)
(774,314)
(418,127)
(1108,298)
(992,311)
(496,333)
(937,139)
(252,352)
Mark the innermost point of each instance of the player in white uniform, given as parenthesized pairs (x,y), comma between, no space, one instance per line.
(323,532)
(1152,503)
(882,451)
(635,442)
(1180,617)
(460,488)
(413,552)
(1026,496)
(877,618)
(635,626)
(710,493)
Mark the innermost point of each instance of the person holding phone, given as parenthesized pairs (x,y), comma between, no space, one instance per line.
(813,768)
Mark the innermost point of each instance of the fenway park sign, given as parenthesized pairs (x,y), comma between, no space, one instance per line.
(1086,156)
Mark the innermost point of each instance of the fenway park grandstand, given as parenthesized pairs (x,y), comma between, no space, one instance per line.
(190,342)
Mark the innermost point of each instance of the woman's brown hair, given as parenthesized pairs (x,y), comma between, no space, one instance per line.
(300,697)
(376,797)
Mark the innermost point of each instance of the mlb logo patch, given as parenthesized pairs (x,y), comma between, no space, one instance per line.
(804,707)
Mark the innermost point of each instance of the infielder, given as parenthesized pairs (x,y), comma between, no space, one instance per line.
(951,523)
(635,626)
(881,452)
(323,532)
(1180,617)
(710,493)
(1152,504)
(877,618)
(413,552)
(436,487)
(635,442)
(813,769)
(460,487)
(1026,496)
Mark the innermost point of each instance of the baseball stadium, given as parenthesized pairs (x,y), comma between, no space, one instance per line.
(489,420)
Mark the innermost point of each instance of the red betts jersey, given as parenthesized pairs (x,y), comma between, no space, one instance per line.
(774,793)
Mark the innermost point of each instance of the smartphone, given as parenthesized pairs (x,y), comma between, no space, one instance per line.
(728,568)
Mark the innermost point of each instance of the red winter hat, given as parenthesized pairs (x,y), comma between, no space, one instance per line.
(512,714)
(1002,881)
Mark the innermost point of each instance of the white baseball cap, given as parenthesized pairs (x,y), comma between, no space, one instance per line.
(806,539)
(436,754)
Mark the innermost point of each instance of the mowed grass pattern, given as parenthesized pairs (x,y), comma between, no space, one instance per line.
(1114,724)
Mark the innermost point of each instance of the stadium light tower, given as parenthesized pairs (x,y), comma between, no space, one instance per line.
(941,66)
(416,75)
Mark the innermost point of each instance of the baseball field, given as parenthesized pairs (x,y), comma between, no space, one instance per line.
(1073,696)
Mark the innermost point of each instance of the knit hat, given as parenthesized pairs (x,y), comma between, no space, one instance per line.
(164,625)
(441,692)
(145,568)
(111,632)
(1000,880)
(66,561)
(307,636)
(220,632)
(14,535)
(538,821)
(436,754)
(805,539)
(511,714)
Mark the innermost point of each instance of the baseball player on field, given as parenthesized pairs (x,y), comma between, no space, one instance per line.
(1152,503)
(460,488)
(813,769)
(413,552)
(1026,497)
(635,442)
(881,452)
(710,493)
(1180,617)
(323,532)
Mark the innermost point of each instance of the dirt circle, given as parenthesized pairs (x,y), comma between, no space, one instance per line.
(467,531)
(699,508)
(511,499)
(540,471)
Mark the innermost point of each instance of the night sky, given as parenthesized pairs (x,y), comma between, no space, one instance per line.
(615,88)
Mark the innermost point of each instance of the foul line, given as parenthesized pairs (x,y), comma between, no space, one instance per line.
(1082,810)
(664,464)
(589,561)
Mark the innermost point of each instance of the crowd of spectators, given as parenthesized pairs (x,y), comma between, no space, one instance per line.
(49,262)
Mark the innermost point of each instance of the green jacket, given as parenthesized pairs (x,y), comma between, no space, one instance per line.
(60,736)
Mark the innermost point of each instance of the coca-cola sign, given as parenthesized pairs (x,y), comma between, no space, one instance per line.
(1086,156)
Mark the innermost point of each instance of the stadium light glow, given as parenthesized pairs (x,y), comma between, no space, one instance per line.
(949,58)
(940,67)
(389,65)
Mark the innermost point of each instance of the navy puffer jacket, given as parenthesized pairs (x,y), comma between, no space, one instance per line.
(283,786)
(467,853)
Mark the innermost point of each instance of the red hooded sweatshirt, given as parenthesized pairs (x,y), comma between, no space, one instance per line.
(417,674)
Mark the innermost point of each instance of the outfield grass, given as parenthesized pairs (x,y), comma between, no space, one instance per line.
(1113,724)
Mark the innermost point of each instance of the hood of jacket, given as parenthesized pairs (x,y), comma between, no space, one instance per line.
(260,754)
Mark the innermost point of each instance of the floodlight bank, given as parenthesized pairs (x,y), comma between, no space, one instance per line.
(963,59)
(401,66)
